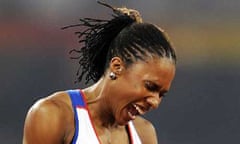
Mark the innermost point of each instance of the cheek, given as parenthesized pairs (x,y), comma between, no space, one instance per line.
(132,91)
(128,89)
(127,94)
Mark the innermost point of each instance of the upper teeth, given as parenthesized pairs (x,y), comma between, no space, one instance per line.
(140,111)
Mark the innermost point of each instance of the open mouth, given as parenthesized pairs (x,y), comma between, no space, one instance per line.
(135,110)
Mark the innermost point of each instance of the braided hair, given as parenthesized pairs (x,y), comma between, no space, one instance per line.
(125,36)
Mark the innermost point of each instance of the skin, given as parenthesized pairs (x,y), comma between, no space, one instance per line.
(51,120)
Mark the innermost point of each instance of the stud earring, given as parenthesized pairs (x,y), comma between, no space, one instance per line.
(112,76)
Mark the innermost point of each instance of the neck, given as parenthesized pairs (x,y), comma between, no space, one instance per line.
(97,97)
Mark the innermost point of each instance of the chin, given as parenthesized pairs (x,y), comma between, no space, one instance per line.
(122,122)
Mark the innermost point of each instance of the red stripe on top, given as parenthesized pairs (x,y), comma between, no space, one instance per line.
(89,115)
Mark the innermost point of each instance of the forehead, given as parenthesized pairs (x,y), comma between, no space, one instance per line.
(154,69)
(163,64)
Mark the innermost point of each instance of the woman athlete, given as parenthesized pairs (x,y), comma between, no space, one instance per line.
(131,64)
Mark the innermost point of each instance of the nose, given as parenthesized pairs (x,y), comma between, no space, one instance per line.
(153,102)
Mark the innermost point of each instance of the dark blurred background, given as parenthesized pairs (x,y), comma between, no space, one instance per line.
(203,105)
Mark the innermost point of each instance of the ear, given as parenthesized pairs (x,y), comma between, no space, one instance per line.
(116,65)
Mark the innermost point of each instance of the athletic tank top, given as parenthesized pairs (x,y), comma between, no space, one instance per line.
(85,132)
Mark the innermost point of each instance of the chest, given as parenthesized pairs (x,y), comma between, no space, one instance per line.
(106,137)
(114,137)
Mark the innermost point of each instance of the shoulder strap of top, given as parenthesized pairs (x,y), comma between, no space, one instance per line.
(77,101)
(134,137)
(76,98)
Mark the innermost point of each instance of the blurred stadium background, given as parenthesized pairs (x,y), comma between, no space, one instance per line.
(203,105)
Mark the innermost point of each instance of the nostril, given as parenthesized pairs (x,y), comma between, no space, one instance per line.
(153,102)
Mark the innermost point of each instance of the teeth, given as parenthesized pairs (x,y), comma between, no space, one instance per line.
(140,111)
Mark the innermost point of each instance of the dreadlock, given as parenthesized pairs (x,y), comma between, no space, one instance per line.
(124,35)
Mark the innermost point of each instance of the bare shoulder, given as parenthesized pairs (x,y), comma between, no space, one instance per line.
(145,130)
(46,120)
(55,104)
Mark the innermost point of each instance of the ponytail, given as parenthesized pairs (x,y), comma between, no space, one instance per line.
(96,38)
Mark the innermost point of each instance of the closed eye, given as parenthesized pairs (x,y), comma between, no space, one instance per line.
(151,86)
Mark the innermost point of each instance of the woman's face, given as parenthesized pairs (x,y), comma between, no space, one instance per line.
(140,88)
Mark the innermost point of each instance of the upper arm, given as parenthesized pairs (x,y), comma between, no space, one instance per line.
(146,131)
(43,124)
